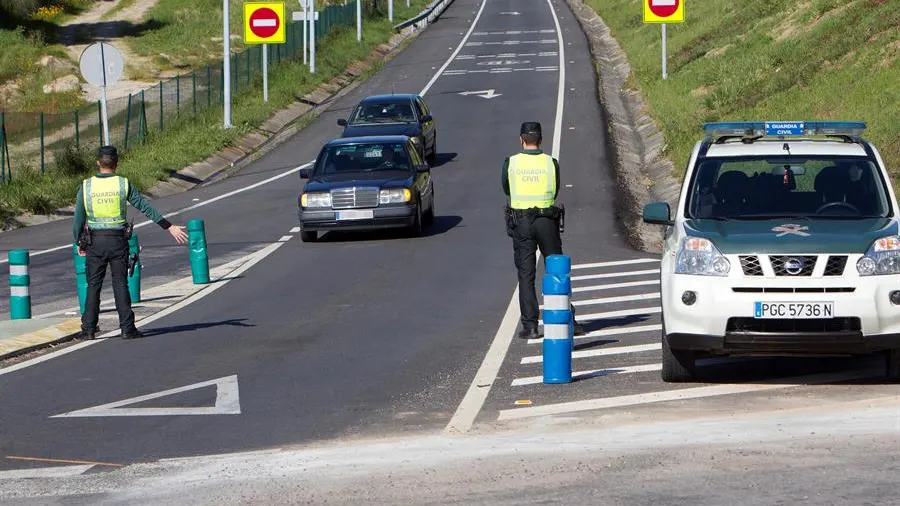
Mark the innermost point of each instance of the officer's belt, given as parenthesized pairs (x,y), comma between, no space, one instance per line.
(108,231)
(550,212)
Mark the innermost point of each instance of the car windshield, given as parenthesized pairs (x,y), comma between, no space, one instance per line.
(749,188)
(364,157)
(383,112)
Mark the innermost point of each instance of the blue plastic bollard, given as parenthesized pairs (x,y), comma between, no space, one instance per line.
(80,277)
(557,316)
(19,283)
(197,245)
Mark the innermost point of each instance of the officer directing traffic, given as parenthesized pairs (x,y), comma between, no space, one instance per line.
(102,234)
(531,180)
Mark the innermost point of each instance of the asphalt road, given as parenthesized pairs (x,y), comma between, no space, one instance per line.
(358,335)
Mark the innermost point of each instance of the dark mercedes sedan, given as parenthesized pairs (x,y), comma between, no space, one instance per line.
(405,114)
(366,183)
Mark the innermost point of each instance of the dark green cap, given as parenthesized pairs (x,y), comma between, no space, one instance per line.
(530,127)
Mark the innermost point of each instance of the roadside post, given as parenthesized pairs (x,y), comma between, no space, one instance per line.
(134,268)
(557,315)
(264,24)
(102,64)
(309,17)
(80,277)
(197,245)
(663,12)
(19,282)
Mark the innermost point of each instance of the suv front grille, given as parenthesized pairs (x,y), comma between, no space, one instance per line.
(835,265)
(354,198)
(751,266)
(793,265)
(748,324)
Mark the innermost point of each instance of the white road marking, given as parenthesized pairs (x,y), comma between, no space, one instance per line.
(614,263)
(618,350)
(228,402)
(462,43)
(44,472)
(511,32)
(471,404)
(608,332)
(611,286)
(560,92)
(634,369)
(614,314)
(611,300)
(462,72)
(190,208)
(295,230)
(614,274)
(253,259)
(678,395)
(285,238)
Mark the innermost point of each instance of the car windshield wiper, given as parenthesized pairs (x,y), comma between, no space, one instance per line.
(771,217)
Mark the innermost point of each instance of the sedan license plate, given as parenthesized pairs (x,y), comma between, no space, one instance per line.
(365,214)
(793,310)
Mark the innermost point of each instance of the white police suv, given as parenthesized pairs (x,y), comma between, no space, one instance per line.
(785,241)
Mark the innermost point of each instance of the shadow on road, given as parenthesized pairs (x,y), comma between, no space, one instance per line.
(442,224)
(234,322)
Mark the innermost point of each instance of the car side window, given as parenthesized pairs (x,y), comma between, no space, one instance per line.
(423,106)
(414,154)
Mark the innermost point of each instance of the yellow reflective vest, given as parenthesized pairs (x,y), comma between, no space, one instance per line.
(105,201)
(532,181)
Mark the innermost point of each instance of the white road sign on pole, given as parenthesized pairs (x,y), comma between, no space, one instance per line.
(101,65)
(301,16)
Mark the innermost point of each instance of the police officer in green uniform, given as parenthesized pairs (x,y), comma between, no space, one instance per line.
(102,234)
(531,181)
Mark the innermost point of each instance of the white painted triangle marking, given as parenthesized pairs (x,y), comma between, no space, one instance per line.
(227,402)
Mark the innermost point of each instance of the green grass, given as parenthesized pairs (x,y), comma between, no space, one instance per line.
(767,60)
(192,139)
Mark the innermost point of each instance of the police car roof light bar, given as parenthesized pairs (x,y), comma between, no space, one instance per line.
(783,128)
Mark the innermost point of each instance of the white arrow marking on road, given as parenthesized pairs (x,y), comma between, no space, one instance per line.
(510,13)
(483,93)
(227,402)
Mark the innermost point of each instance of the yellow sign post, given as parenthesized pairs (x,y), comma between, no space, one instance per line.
(662,12)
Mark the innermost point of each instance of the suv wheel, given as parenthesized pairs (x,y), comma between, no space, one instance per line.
(678,366)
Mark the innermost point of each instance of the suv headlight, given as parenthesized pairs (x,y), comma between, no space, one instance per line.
(883,257)
(701,257)
(394,196)
(316,199)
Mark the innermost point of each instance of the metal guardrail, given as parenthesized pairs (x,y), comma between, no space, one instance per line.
(431,12)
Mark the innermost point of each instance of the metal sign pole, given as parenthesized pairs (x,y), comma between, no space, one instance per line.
(391,11)
(312,36)
(226,65)
(305,31)
(265,57)
(664,51)
(103,112)
(359,20)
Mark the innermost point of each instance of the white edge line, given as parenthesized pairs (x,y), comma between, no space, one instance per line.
(560,94)
(462,43)
(471,405)
(255,258)
(285,238)
(190,208)
(675,395)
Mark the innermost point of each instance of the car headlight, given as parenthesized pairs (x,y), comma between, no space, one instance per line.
(316,199)
(394,196)
(883,257)
(701,257)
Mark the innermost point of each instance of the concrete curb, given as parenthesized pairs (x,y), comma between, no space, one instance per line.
(635,143)
(47,336)
(280,126)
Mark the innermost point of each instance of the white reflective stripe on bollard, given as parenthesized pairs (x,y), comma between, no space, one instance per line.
(18,291)
(556,331)
(556,302)
(18,270)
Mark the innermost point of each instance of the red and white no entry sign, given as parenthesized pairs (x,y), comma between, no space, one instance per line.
(264,22)
(664,8)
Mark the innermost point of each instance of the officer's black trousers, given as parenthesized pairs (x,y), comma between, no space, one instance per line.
(542,233)
(106,250)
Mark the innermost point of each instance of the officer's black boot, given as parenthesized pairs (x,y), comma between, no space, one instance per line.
(529,333)
(88,334)
(133,333)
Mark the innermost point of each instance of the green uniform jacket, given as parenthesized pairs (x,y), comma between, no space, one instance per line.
(134,198)
(505,173)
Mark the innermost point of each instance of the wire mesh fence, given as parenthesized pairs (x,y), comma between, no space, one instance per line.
(33,140)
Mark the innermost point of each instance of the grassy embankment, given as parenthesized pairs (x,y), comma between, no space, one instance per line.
(192,139)
(759,60)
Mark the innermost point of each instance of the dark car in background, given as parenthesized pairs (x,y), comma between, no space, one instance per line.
(403,114)
(361,183)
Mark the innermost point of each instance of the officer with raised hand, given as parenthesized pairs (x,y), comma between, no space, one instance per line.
(531,181)
(102,233)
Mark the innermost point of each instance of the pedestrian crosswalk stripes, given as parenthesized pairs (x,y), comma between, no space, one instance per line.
(615,274)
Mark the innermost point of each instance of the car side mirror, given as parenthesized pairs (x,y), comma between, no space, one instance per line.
(426,118)
(423,167)
(657,213)
(342,122)
(305,173)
